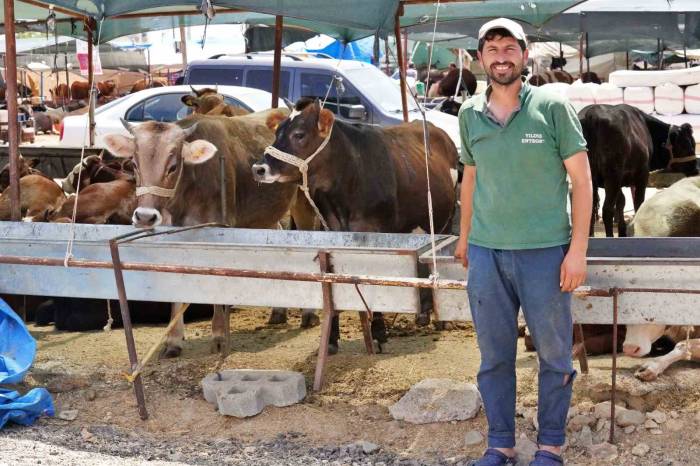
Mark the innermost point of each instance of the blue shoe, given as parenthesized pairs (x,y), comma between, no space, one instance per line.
(545,458)
(493,457)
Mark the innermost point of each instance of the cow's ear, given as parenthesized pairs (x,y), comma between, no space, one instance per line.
(686,128)
(198,151)
(33,163)
(274,119)
(188,100)
(325,122)
(120,146)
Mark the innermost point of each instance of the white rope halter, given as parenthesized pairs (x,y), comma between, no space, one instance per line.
(303,166)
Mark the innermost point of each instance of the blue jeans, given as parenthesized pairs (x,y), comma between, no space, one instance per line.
(500,282)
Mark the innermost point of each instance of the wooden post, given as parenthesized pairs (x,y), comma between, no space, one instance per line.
(11,99)
(277,64)
(328,314)
(402,62)
(580,55)
(183,47)
(89,26)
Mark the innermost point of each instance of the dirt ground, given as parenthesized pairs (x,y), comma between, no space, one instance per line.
(84,372)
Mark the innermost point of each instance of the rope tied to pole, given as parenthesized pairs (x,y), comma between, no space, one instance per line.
(303,166)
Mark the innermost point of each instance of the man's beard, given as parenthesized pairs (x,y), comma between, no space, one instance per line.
(507,78)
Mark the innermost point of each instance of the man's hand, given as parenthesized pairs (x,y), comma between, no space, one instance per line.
(461,251)
(573,271)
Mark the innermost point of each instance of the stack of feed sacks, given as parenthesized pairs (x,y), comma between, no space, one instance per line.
(692,99)
(640,97)
(608,94)
(561,89)
(582,94)
(668,99)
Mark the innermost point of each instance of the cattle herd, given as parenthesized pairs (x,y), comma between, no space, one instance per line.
(360,178)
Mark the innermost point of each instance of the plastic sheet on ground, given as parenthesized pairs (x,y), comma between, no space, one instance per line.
(17,350)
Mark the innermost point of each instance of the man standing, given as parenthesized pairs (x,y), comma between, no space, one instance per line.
(518,145)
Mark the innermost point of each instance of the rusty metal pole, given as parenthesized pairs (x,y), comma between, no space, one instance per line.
(402,62)
(11,98)
(183,47)
(277,63)
(89,26)
(128,331)
(613,392)
(328,314)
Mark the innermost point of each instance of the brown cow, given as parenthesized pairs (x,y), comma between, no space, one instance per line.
(208,101)
(112,202)
(181,157)
(365,178)
(107,88)
(37,194)
(142,84)
(551,76)
(26,167)
(80,90)
(94,169)
(60,94)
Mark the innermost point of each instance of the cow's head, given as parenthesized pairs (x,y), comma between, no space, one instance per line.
(681,145)
(300,134)
(26,167)
(639,338)
(203,100)
(159,152)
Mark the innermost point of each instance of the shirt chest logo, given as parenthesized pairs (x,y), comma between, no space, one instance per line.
(532,138)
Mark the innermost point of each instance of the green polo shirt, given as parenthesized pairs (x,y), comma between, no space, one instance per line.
(521,189)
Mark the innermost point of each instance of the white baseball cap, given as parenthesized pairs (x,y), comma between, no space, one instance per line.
(508,24)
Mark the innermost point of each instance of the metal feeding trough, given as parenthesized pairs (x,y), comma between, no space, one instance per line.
(655,278)
(374,254)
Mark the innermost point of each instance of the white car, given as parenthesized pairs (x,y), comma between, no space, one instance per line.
(156,104)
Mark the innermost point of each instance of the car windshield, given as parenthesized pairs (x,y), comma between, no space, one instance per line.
(379,88)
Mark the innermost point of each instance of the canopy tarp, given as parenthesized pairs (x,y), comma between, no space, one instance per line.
(360,50)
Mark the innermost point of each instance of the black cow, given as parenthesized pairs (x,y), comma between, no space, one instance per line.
(366,178)
(624,145)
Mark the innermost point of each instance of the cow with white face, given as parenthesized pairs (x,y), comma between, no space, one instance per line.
(672,212)
(177,170)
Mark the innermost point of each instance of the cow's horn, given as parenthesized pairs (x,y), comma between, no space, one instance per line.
(288,103)
(190,130)
(128,126)
(193,89)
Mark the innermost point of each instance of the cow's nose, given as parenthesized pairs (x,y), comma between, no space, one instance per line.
(630,350)
(260,170)
(146,217)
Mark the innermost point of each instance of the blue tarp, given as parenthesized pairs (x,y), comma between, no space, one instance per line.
(17,350)
(360,50)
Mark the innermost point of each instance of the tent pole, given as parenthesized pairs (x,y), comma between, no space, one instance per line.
(588,59)
(402,62)
(11,99)
(660,61)
(685,55)
(183,47)
(277,61)
(386,56)
(580,55)
(91,82)
(627,59)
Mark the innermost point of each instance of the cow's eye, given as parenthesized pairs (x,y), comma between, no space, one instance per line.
(299,136)
(171,169)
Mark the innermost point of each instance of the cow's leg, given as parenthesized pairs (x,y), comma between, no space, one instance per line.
(609,209)
(651,369)
(176,336)
(379,330)
(335,334)
(218,329)
(594,211)
(639,192)
(278,315)
(620,214)
(309,318)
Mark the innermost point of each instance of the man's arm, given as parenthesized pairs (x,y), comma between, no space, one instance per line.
(573,268)
(465,224)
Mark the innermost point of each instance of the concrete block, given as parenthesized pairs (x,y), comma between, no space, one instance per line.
(246,392)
